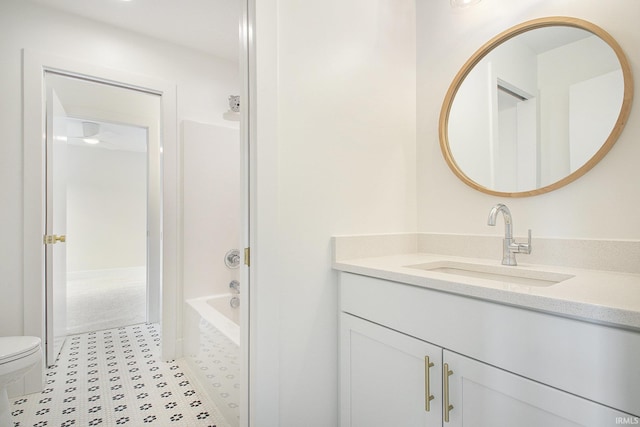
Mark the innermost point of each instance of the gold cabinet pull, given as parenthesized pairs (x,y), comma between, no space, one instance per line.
(428,397)
(52,239)
(445,377)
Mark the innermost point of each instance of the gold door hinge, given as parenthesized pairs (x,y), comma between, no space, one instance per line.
(247,256)
(52,239)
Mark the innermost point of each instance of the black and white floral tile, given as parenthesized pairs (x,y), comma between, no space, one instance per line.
(116,377)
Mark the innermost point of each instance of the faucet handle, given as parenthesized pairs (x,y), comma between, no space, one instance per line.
(234,285)
(525,248)
(516,248)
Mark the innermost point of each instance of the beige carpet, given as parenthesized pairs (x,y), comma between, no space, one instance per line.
(105,299)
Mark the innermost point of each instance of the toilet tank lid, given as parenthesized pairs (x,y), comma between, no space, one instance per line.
(14,346)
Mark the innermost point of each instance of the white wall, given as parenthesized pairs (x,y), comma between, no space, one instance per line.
(211,160)
(204,84)
(605,203)
(335,155)
(106,208)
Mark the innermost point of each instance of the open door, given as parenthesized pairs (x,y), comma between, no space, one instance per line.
(56,227)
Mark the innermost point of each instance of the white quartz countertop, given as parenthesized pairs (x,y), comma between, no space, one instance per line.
(606,297)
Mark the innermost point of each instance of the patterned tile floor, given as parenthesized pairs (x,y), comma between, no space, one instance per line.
(112,378)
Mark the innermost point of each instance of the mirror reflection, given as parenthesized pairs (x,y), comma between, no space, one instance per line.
(534,109)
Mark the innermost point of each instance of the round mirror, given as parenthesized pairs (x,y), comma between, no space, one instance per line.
(536,107)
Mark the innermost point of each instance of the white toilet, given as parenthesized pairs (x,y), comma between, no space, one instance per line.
(17,356)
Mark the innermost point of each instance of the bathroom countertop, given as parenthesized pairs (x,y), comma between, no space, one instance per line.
(605,297)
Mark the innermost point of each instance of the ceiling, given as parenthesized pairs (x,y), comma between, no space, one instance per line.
(119,118)
(210,26)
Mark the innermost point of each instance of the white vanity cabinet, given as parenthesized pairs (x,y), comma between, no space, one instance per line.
(483,395)
(391,333)
(388,377)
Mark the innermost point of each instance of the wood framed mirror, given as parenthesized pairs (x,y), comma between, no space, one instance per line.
(536,107)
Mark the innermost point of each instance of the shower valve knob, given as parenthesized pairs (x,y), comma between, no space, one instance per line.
(232,258)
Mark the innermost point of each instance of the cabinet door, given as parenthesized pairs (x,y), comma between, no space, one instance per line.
(385,378)
(485,396)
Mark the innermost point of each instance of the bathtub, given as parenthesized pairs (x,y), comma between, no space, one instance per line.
(212,350)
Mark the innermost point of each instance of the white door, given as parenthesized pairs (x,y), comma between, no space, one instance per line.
(484,396)
(387,377)
(56,228)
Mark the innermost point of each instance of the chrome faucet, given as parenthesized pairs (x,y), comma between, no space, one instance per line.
(509,247)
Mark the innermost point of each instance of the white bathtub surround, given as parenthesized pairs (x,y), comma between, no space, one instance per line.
(211,228)
(116,377)
(211,207)
(212,351)
(609,297)
(104,299)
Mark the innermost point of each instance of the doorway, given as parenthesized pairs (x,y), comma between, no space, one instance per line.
(162,215)
(102,256)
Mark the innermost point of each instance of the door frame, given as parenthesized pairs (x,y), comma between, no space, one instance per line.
(149,120)
(34,66)
(248,167)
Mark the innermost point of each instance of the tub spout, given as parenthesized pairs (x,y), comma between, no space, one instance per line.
(234,302)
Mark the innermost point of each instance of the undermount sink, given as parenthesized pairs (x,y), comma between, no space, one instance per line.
(512,275)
